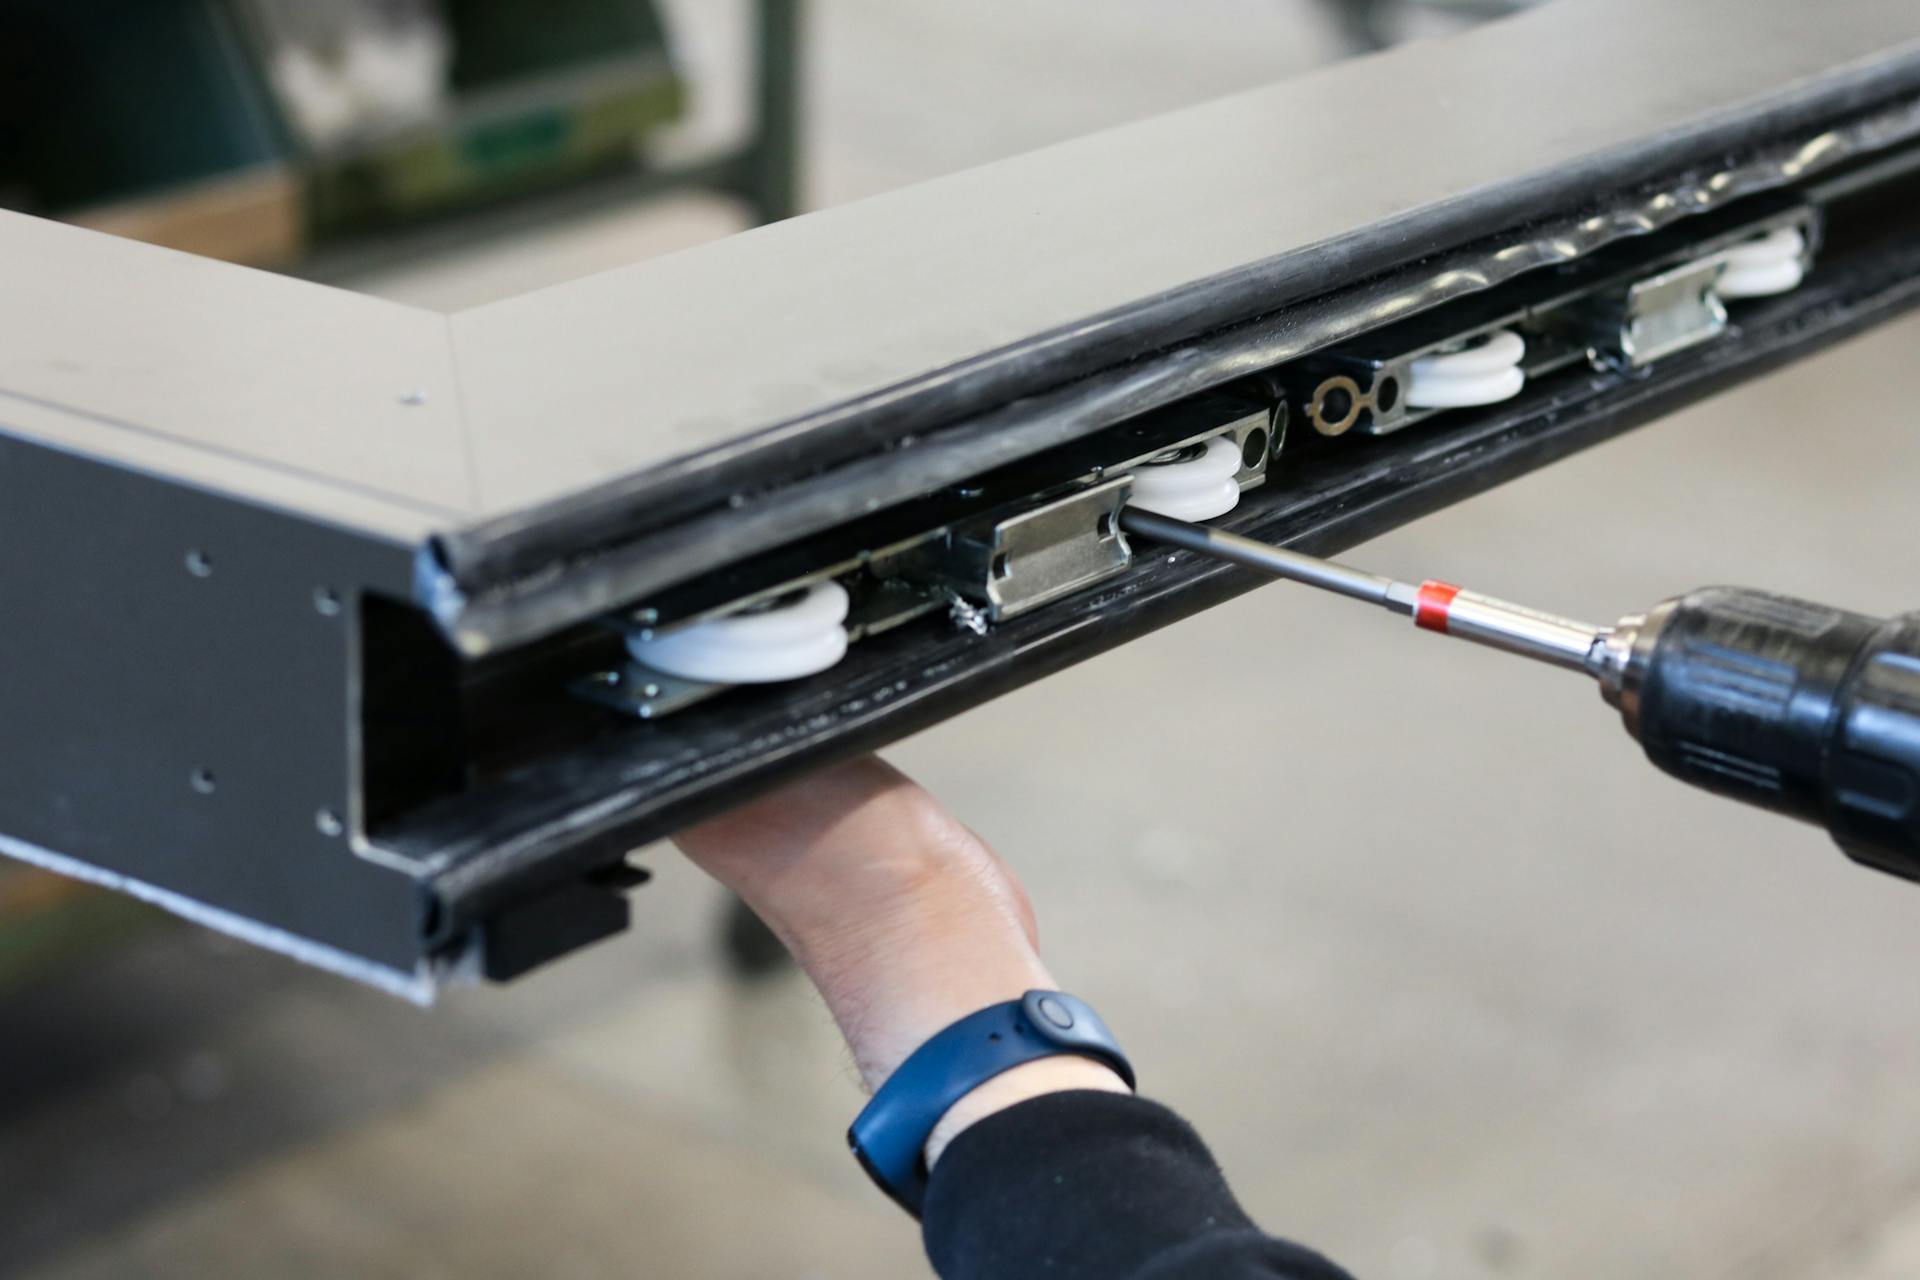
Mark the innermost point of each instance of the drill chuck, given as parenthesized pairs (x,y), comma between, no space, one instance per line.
(1803,709)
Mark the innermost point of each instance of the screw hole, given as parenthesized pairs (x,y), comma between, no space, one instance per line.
(199,563)
(1336,406)
(993,1035)
(202,781)
(1253,452)
(1001,565)
(1387,394)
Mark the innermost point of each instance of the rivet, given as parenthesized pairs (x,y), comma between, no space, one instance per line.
(199,563)
(414,397)
(201,780)
(328,823)
(326,601)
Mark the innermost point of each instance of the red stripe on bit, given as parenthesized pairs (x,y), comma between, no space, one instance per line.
(1431,607)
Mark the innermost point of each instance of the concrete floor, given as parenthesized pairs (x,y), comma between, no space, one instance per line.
(1456,985)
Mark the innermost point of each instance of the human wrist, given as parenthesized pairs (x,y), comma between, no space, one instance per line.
(993,1058)
(902,917)
(903,929)
(893,984)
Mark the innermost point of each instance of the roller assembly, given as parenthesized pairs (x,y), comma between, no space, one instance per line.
(1051,528)
(1191,483)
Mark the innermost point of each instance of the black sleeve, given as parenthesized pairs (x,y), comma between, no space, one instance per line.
(1095,1186)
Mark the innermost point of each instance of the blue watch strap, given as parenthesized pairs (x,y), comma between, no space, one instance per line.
(889,1134)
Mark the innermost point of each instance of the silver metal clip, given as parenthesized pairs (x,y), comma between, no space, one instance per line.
(1020,561)
(1672,311)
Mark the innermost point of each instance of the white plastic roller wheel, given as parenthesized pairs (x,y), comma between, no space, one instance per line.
(1773,264)
(792,638)
(1485,373)
(1197,488)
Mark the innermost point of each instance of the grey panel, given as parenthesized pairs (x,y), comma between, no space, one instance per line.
(259,479)
(1292,183)
(184,728)
(240,364)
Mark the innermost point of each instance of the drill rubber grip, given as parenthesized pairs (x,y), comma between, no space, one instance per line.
(1797,707)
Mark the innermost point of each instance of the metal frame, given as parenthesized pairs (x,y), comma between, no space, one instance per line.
(281,562)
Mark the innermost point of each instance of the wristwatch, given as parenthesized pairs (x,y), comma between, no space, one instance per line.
(889,1135)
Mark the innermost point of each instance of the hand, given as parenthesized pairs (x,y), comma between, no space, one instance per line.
(903,918)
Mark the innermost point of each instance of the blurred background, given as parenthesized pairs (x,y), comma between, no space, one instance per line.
(1455,985)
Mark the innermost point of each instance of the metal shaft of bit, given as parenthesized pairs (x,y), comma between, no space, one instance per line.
(1433,605)
(1276,562)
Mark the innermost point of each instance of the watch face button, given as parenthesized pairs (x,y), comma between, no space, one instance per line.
(1056,1012)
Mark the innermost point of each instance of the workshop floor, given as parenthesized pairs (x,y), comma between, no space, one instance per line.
(1455,984)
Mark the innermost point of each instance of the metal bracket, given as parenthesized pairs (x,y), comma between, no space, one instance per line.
(1018,561)
(1672,311)
(641,692)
